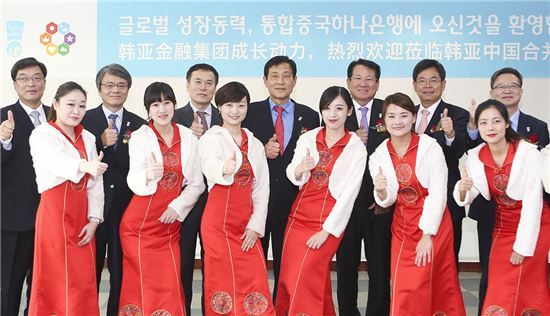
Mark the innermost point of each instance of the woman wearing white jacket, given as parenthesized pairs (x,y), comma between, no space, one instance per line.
(328,166)
(507,169)
(410,171)
(166,180)
(69,177)
(235,166)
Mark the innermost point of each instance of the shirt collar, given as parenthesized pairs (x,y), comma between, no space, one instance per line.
(28,109)
(108,112)
(357,105)
(514,119)
(431,108)
(286,106)
(207,111)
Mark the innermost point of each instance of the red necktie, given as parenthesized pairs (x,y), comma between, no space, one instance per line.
(280,127)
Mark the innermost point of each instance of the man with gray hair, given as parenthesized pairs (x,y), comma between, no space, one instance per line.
(112,126)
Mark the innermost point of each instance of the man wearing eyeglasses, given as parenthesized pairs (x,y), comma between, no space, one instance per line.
(20,196)
(447,124)
(368,222)
(112,126)
(506,87)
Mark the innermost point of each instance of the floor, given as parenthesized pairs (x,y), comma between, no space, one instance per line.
(468,281)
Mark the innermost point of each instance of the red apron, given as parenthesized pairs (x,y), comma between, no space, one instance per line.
(151,282)
(235,282)
(522,289)
(64,280)
(304,283)
(432,289)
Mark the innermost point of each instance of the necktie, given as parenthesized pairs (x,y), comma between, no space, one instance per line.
(204,123)
(113,118)
(279,127)
(35,118)
(365,118)
(423,122)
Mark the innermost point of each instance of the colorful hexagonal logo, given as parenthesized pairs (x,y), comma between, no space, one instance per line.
(63,49)
(58,38)
(64,28)
(51,49)
(45,39)
(69,38)
(51,28)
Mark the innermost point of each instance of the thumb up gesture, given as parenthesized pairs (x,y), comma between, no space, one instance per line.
(380,182)
(230,164)
(196,127)
(155,169)
(272,148)
(447,124)
(94,167)
(306,165)
(465,184)
(472,109)
(109,135)
(7,127)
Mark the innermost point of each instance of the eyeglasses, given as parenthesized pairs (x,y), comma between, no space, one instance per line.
(112,85)
(431,81)
(24,80)
(502,87)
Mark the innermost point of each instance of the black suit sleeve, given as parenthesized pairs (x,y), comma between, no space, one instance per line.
(458,146)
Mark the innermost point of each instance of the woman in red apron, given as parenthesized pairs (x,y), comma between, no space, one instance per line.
(410,171)
(163,159)
(507,169)
(235,166)
(328,166)
(69,177)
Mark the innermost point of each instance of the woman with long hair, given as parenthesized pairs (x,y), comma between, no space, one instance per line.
(328,166)
(410,170)
(69,177)
(235,166)
(166,180)
(506,169)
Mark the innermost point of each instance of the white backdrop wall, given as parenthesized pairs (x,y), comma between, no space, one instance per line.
(80,65)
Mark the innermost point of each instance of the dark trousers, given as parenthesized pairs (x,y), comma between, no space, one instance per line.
(190,229)
(275,227)
(17,256)
(485,239)
(108,243)
(375,230)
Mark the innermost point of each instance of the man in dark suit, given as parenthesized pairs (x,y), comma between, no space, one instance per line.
(199,115)
(447,124)
(506,87)
(367,222)
(112,126)
(20,196)
(277,122)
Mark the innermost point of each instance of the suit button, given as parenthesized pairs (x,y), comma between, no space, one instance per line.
(112,186)
(276,179)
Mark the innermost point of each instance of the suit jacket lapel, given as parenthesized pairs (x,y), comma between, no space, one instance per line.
(21,117)
(216,116)
(351,121)
(522,128)
(436,117)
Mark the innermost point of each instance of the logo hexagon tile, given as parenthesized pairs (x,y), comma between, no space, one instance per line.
(63,49)
(51,28)
(45,39)
(58,38)
(64,28)
(70,38)
(51,49)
